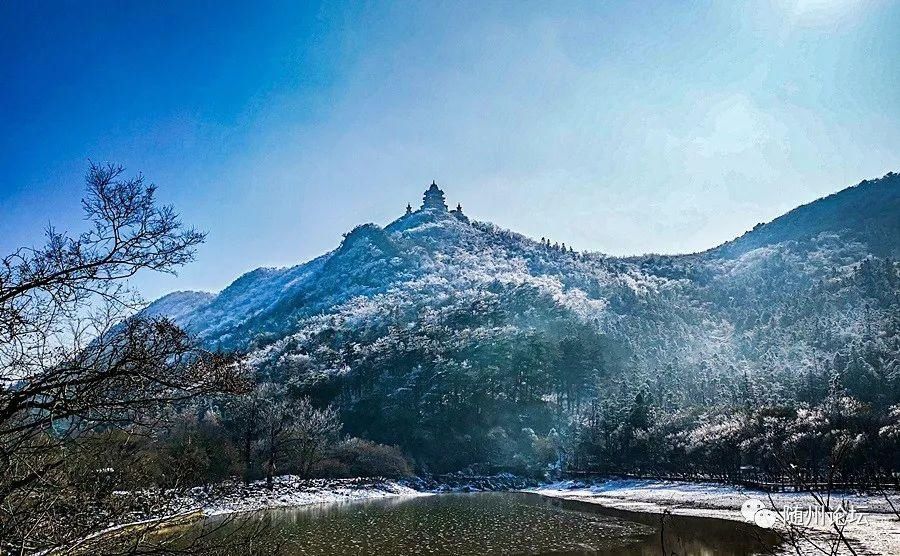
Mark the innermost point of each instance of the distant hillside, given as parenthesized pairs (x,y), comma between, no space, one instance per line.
(868,213)
(439,333)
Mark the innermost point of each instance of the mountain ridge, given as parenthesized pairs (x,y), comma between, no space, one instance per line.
(875,231)
(397,321)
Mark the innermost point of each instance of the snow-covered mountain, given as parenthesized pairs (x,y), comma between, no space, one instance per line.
(424,258)
(434,296)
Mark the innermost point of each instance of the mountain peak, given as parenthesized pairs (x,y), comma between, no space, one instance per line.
(431,256)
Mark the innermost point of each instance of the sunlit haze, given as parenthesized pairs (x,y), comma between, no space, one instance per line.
(276,127)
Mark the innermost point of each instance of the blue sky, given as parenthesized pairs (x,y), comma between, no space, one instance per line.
(617,127)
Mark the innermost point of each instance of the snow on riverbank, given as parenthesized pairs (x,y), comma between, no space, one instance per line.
(878,532)
(289,490)
(155,511)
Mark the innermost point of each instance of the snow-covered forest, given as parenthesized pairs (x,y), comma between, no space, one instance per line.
(469,346)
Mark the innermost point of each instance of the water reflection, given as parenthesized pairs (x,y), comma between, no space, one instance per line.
(502,523)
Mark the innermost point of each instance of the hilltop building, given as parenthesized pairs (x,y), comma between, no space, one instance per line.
(434,198)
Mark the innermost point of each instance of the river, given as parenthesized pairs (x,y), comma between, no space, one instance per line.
(500,523)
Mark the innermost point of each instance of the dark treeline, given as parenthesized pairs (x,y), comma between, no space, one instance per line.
(260,434)
(838,441)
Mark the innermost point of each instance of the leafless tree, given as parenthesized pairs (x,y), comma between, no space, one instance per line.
(79,369)
(314,431)
(293,431)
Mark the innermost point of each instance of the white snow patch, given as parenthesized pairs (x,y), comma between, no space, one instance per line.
(879,534)
(289,490)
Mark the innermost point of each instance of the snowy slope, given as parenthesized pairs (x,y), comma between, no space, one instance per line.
(444,284)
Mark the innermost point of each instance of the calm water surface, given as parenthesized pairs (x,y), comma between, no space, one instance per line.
(502,523)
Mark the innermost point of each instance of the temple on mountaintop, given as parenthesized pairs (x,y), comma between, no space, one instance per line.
(434,198)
